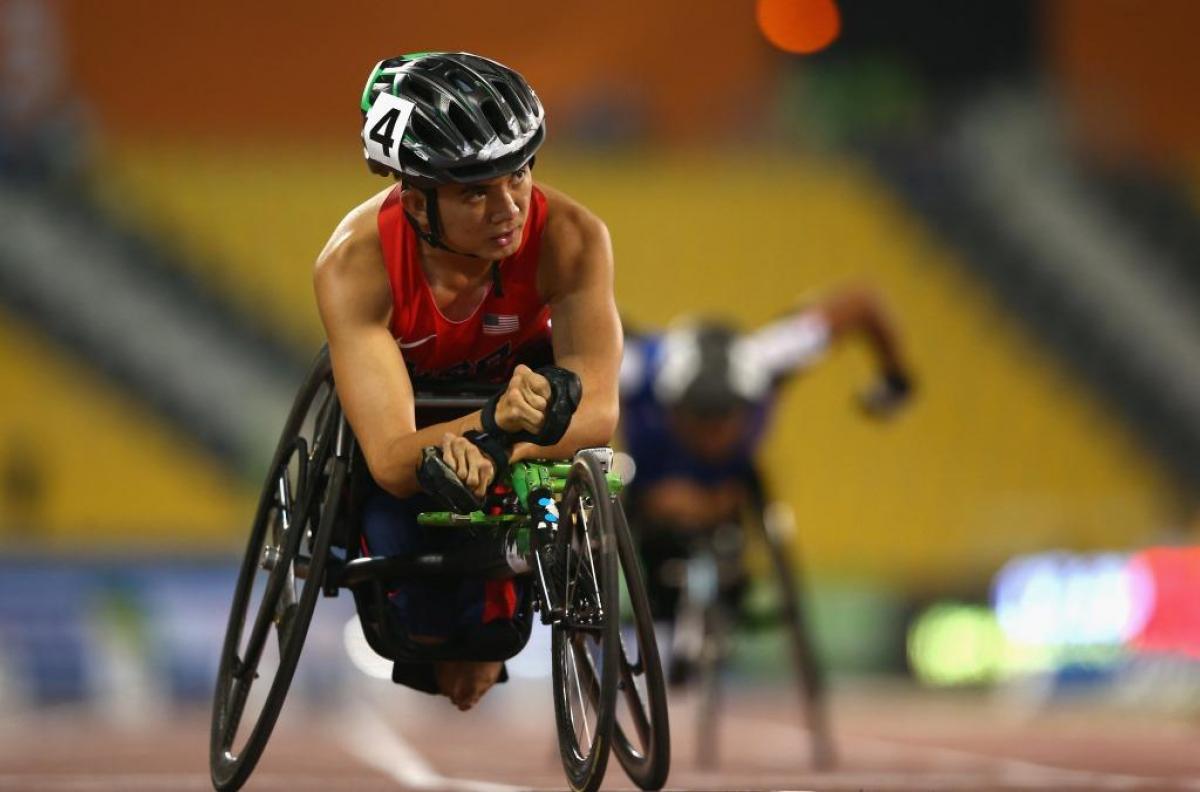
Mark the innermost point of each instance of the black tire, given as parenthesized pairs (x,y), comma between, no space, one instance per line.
(293,524)
(810,676)
(709,668)
(585,643)
(642,735)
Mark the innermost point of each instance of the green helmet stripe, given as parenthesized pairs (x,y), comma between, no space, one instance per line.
(368,94)
(365,102)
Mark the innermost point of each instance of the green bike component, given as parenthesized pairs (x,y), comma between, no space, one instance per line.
(526,479)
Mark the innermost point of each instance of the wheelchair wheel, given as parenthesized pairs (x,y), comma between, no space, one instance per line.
(642,738)
(585,643)
(809,673)
(279,580)
(718,625)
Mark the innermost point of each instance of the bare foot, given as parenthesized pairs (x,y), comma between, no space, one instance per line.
(465,682)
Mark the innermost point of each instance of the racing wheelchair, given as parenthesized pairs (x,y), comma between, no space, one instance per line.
(700,577)
(564,533)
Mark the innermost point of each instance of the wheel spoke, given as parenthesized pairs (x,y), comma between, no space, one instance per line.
(235,707)
(573,656)
(280,593)
(638,668)
(321,413)
(284,622)
(568,562)
(284,502)
(263,620)
(287,597)
(633,698)
(587,544)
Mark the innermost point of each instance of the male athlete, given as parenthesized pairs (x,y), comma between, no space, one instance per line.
(456,273)
(695,406)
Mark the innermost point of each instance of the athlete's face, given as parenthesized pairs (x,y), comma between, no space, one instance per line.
(486,218)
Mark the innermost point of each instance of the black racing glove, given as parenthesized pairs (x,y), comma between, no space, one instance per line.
(494,449)
(888,395)
(565,392)
(439,480)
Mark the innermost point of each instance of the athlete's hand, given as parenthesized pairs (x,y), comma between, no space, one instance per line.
(522,406)
(891,392)
(468,462)
(685,503)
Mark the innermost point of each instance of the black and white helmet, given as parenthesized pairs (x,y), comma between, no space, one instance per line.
(708,368)
(445,117)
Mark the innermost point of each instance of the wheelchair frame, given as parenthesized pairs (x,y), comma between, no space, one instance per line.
(308,507)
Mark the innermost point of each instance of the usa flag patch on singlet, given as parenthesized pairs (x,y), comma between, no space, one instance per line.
(500,324)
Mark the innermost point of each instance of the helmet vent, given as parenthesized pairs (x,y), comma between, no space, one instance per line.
(427,133)
(466,125)
(420,90)
(492,112)
(510,97)
(379,87)
(460,81)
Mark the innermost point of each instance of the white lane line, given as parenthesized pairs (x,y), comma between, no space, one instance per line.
(66,782)
(371,739)
(962,780)
(153,782)
(1017,773)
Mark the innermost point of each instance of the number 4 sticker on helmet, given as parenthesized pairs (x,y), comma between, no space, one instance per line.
(384,128)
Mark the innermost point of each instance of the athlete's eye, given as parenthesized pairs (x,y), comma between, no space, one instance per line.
(519,175)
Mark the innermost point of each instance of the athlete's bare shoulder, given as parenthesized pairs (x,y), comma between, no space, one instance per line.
(351,267)
(357,233)
(566,216)
(575,244)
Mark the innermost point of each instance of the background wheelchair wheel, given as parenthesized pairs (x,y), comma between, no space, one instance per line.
(718,626)
(642,738)
(775,526)
(585,643)
(279,580)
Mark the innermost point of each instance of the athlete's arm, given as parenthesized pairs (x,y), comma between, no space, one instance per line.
(354,297)
(861,311)
(798,341)
(575,277)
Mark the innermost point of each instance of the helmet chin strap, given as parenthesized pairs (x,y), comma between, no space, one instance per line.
(433,236)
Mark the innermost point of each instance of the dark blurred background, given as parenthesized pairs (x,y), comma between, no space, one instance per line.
(1018,179)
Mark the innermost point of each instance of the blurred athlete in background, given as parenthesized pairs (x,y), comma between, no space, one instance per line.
(696,405)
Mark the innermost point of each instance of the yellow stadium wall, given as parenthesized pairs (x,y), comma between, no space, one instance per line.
(1002,452)
(100,471)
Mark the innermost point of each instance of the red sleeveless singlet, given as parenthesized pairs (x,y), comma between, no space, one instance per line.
(503,331)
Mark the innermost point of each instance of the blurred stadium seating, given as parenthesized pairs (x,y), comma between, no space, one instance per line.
(97,470)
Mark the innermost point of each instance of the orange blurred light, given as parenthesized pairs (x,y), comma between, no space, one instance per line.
(799,26)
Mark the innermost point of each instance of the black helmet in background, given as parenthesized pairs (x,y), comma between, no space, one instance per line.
(707,370)
(445,117)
